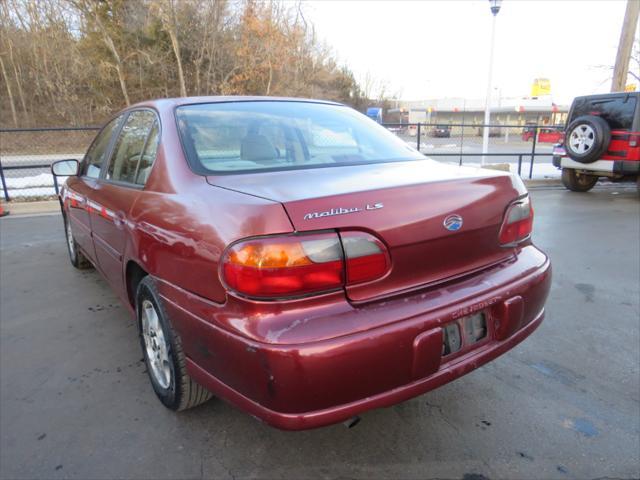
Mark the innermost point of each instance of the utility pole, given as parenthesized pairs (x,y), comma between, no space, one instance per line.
(495,8)
(627,35)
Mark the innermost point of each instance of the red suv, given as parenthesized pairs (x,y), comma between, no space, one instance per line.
(602,139)
(545,134)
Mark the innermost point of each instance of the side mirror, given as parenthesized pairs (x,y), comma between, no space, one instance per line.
(65,168)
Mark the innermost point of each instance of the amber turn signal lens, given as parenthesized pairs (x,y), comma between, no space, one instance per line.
(264,255)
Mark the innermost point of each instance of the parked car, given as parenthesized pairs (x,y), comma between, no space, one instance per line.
(441,131)
(298,260)
(545,134)
(528,132)
(494,131)
(602,139)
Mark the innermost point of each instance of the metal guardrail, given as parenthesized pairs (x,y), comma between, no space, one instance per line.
(5,189)
(48,129)
(525,133)
(21,142)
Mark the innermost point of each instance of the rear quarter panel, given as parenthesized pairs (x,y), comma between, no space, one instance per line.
(180,237)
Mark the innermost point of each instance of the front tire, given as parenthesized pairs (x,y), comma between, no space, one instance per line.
(578,182)
(76,257)
(163,354)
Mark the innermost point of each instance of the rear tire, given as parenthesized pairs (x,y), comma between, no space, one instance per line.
(577,182)
(163,354)
(76,257)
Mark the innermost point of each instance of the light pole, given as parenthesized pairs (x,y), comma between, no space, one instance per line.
(495,8)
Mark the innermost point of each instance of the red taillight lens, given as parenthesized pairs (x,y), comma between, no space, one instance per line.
(296,265)
(518,222)
(366,257)
(284,266)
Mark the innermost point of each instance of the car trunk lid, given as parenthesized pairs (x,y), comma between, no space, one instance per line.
(405,204)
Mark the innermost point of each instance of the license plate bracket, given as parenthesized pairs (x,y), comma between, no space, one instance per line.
(474,327)
(464,332)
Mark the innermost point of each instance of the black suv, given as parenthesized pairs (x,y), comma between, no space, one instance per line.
(602,139)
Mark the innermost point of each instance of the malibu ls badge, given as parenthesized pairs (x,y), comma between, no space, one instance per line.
(343,211)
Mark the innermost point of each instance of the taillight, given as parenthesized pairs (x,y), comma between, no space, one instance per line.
(518,222)
(297,265)
(284,265)
(366,257)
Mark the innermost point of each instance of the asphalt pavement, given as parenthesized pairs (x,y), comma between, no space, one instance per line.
(75,401)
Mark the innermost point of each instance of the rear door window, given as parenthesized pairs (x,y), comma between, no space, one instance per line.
(128,151)
(617,111)
(94,158)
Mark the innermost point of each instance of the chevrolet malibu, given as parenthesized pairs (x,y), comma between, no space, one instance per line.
(296,259)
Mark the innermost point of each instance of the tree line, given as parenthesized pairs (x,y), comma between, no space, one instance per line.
(75,62)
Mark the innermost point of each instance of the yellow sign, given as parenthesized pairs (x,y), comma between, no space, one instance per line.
(631,87)
(541,86)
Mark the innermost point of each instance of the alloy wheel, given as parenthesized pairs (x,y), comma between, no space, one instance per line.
(582,138)
(155,345)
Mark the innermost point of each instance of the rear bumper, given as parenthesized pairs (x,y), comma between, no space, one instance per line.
(301,386)
(339,413)
(621,167)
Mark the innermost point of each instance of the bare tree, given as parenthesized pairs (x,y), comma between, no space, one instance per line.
(9,93)
(91,12)
(167,12)
(78,61)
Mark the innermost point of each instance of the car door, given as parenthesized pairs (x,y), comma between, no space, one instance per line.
(79,190)
(120,183)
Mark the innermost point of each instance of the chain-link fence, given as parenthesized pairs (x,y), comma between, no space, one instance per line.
(26,154)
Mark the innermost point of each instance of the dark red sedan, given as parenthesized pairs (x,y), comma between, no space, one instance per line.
(296,259)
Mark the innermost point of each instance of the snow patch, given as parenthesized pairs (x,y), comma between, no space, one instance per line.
(40,185)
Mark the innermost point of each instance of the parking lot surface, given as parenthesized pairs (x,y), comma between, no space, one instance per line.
(75,401)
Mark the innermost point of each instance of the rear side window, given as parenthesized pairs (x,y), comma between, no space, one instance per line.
(617,111)
(276,135)
(98,150)
(124,165)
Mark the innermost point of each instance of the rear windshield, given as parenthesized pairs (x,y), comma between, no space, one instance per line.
(617,111)
(276,135)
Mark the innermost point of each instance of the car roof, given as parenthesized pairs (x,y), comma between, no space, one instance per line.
(608,95)
(164,103)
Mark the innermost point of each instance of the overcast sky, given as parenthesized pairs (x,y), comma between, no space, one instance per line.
(429,49)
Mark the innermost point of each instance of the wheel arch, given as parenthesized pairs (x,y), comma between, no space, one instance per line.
(134,273)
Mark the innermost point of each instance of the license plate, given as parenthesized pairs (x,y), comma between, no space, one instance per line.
(474,329)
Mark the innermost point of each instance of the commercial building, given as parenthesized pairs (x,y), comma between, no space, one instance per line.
(512,111)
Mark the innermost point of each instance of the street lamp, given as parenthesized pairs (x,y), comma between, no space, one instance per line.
(495,8)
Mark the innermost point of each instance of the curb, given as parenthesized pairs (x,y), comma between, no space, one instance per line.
(30,208)
(543,182)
